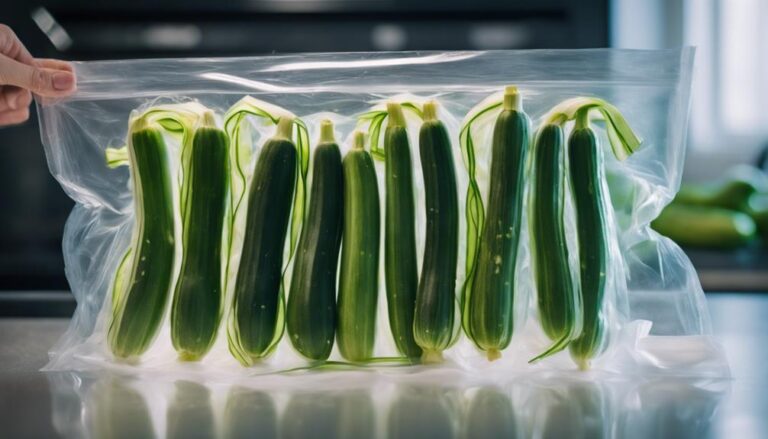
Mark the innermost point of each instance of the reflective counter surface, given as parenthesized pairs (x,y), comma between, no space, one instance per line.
(36,404)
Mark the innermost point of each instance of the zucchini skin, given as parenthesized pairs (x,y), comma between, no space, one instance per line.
(434,317)
(586,170)
(141,308)
(197,300)
(555,290)
(311,314)
(359,278)
(257,286)
(491,302)
(400,264)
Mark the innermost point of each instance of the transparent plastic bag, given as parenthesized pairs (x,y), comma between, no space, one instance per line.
(657,318)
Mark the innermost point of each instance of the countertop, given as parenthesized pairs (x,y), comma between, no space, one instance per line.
(37,404)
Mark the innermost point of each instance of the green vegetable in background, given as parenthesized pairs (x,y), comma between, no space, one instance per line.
(743,189)
(732,192)
(698,226)
(757,208)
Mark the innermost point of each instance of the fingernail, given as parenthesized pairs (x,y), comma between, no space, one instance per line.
(63,81)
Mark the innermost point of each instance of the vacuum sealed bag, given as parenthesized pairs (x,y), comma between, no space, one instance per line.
(391,212)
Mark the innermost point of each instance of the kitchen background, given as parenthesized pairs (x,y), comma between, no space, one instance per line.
(728,124)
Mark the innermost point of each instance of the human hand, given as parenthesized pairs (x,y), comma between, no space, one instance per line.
(21,75)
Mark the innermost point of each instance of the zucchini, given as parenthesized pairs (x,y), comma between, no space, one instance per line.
(141,294)
(400,265)
(698,226)
(311,314)
(434,318)
(732,192)
(197,301)
(490,304)
(586,171)
(359,278)
(559,310)
(257,300)
(757,209)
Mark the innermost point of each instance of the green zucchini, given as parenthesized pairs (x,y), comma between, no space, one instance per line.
(698,226)
(490,303)
(586,172)
(197,301)
(311,314)
(434,317)
(359,278)
(732,192)
(757,209)
(559,310)
(400,265)
(141,296)
(257,300)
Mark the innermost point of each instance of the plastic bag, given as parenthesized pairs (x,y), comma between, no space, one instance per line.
(656,310)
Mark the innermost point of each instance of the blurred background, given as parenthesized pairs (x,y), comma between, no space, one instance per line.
(727,125)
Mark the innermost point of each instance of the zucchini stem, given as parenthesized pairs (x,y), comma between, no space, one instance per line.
(358,140)
(140,123)
(208,119)
(512,99)
(284,128)
(582,118)
(326,132)
(493,354)
(396,116)
(429,112)
(429,356)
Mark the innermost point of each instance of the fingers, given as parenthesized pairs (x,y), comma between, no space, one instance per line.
(45,77)
(14,105)
(40,80)
(14,117)
(14,98)
(11,47)
(54,64)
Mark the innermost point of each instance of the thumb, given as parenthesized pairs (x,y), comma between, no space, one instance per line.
(41,81)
